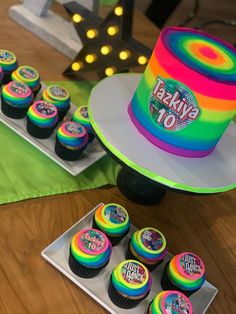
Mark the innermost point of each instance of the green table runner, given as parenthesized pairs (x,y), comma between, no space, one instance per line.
(25,172)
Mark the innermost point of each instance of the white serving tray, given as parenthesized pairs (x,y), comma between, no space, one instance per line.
(57,254)
(91,154)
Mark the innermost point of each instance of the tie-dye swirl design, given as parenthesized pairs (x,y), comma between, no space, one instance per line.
(28,75)
(43,114)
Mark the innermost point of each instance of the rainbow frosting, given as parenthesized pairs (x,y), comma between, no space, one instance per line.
(170,302)
(112,219)
(8,61)
(1,74)
(28,75)
(148,245)
(58,96)
(187,95)
(81,116)
(43,114)
(91,248)
(17,94)
(72,135)
(131,280)
(186,271)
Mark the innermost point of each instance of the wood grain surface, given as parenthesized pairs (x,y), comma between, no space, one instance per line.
(205,225)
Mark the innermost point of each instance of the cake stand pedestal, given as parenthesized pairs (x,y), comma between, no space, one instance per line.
(147,170)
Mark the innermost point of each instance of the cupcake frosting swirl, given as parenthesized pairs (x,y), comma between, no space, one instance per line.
(43,114)
(17,94)
(81,116)
(57,95)
(8,60)
(72,135)
(28,75)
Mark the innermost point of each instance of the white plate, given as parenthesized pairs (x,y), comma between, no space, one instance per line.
(92,153)
(57,254)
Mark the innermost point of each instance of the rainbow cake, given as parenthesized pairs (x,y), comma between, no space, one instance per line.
(59,97)
(90,251)
(8,63)
(42,119)
(81,116)
(71,140)
(130,283)
(113,220)
(29,76)
(186,97)
(170,302)
(16,98)
(148,245)
(185,272)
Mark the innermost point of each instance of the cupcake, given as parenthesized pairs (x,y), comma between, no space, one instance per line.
(90,252)
(81,116)
(185,272)
(113,220)
(148,245)
(8,63)
(130,283)
(1,76)
(71,141)
(59,97)
(29,76)
(42,119)
(16,98)
(173,302)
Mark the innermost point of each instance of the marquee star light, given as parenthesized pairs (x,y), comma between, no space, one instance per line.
(108,46)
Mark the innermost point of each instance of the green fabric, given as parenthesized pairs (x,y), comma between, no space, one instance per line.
(25,172)
(108,2)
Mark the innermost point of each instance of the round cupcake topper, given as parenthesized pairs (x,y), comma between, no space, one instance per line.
(44,109)
(92,241)
(57,92)
(27,73)
(7,57)
(151,240)
(133,274)
(175,302)
(18,89)
(73,129)
(114,214)
(83,110)
(190,265)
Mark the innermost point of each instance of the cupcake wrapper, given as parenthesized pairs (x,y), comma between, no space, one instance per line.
(35,91)
(13,112)
(7,77)
(120,301)
(66,154)
(62,113)
(114,240)
(83,271)
(38,132)
(91,137)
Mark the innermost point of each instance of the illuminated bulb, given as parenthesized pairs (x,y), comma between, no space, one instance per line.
(110,71)
(77,18)
(142,60)
(90,58)
(123,55)
(112,30)
(105,50)
(91,33)
(118,11)
(76,66)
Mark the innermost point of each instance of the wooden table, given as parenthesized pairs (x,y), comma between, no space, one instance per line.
(28,284)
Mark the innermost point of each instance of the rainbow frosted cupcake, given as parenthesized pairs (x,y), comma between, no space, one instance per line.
(148,245)
(113,220)
(90,252)
(59,97)
(81,116)
(29,76)
(130,283)
(1,75)
(170,302)
(16,98)
(42,119)
(71,140)
(185,272)
(8,63)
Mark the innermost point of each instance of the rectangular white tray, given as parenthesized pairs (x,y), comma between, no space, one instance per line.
(92,153)
(57,254)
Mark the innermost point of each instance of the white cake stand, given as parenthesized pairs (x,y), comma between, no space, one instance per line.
(147,170)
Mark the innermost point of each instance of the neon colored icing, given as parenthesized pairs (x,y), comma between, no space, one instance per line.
(81,116)
(58,96)
(186,271)
(8,60)
(28,75)
(17,94)
(43,114)
(112,219)
(72,135)
(186,97)
(148,245)
(131,279)
(91,248)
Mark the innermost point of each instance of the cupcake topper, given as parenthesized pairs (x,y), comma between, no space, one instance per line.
(92,241)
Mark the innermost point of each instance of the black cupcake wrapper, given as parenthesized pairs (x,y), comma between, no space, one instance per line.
(7,77)
(114,240)
(121,301)
(35,91)
(83,271)
(67,154)
(38,132)
(91,136)
(13,112)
